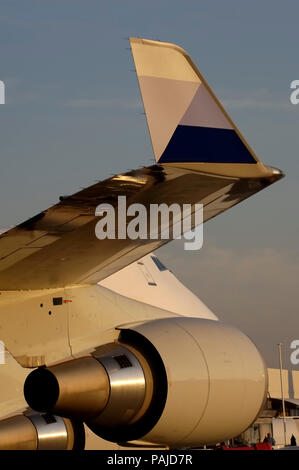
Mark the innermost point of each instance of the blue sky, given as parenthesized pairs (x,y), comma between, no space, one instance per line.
(73,115)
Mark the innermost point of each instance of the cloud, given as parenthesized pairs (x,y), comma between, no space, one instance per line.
(104,103)
(266,269)
(256,99)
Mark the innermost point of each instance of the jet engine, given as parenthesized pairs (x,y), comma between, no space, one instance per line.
(178,381)
(34,431)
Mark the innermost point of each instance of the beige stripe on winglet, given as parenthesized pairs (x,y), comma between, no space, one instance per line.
(162,60)
(165,102)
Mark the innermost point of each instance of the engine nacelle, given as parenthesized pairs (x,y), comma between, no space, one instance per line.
(33,431)
(176,381)
(217,380)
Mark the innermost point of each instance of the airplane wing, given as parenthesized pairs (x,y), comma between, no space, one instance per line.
(201,157)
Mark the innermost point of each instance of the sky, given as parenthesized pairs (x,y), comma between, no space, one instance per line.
(73,115)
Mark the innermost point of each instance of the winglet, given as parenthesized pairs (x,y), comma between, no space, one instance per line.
(187,124)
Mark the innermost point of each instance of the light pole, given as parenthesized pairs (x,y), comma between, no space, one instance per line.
(282,394)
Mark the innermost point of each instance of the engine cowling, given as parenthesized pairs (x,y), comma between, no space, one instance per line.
(176,381)
(34,431)
(217,380)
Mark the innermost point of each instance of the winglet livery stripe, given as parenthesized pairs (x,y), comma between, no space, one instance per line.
(186,121)
(206,145)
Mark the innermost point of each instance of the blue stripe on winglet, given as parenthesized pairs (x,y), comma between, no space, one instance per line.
(206,144)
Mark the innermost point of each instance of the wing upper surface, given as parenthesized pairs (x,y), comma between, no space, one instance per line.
(58,247)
